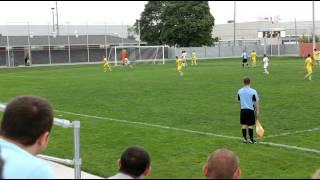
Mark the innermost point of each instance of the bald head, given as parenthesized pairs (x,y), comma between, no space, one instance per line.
(223,164)
(316,175)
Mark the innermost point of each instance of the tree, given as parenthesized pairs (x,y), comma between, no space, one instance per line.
(131,32)
(187,23)
(150,22)
(307,39)
(181,23)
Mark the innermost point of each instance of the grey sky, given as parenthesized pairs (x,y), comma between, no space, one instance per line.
(125,12)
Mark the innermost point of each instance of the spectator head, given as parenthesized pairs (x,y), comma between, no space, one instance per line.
(27,122)
(316,175)
(222,164)
(246,81)
(264,55)
(135,162)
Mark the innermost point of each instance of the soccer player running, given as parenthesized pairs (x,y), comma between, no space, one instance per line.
(194,58)
(308,65)
(265,63)
(106,64)
(184,58)
(244,58)
(249,102)
(254,58)
(179,65)
(315,56)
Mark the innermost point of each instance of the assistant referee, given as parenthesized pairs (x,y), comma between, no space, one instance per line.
(249,101)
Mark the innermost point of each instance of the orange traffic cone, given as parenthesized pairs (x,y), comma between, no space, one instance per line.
(259,129)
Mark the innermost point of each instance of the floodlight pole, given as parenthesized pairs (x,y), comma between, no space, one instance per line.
(57,18)
(139,32)
(105,39)
(52,19)
(234,24)
(313,29)
(295,29)
(139,38)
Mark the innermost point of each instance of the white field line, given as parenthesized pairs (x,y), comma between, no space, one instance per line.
(192,131)
(291,133)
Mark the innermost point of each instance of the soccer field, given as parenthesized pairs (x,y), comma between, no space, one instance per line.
(179,121)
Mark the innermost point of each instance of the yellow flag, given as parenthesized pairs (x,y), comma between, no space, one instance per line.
(259,129)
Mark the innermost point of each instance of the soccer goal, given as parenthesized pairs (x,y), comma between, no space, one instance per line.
(153,54)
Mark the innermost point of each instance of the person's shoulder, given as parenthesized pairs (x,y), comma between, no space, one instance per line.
(240,90)
(253,90)
(42,170)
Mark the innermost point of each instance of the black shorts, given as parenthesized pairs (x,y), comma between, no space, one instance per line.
(244,60)
(247,117)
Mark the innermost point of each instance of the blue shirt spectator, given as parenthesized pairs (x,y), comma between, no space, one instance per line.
(16,160)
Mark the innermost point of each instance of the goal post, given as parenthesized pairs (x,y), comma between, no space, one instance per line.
(152,54)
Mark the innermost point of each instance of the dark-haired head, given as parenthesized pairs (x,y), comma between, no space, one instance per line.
(135,161)
(27,121)
(246,81)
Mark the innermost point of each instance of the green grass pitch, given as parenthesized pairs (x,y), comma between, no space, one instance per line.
(203,100)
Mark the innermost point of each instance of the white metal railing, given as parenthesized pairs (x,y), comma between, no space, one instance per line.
(76,162)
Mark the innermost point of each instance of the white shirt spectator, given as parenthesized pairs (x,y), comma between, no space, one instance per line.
(120,176)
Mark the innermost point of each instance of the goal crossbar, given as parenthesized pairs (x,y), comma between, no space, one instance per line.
(140,59)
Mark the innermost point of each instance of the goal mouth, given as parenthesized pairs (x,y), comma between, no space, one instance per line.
(135,54)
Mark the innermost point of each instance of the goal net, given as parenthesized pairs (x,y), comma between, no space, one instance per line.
(152,54)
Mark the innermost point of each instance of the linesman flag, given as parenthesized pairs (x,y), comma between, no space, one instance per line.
(259,129)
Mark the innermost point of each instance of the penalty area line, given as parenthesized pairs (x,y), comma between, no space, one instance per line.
(192,131)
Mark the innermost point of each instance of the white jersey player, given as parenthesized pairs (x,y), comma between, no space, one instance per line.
(184,58)
(265,64)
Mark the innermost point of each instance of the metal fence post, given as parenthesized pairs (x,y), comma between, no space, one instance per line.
(205,51)
(279,46)
(162,54)
(29,45)
(115,56)
(219,49)
(69,51)
(8,47)
(49,43)
(77,157)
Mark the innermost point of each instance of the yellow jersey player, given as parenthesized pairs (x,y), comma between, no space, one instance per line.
(315,56)
(179,65)
(106,64)
(194,58)
(308,65)
(254,58)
